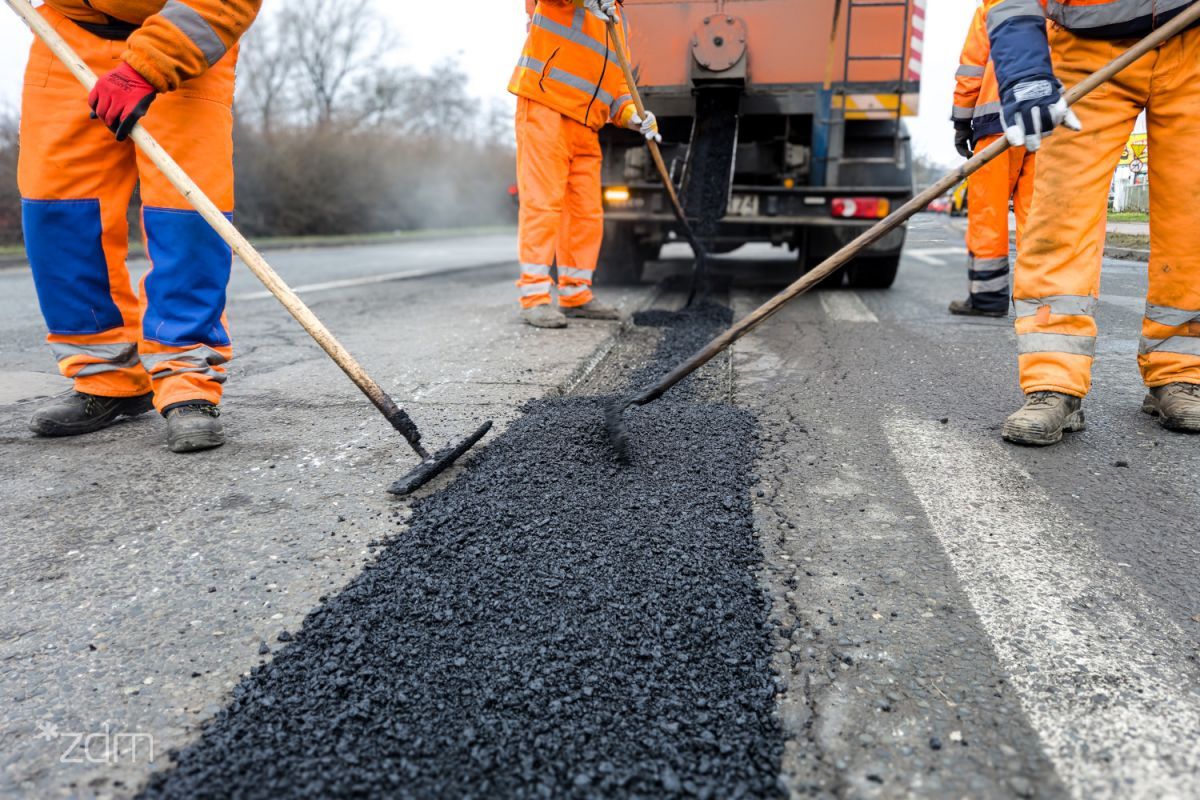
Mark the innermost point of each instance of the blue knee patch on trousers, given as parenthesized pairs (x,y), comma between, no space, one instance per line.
(185,290)
(64,241)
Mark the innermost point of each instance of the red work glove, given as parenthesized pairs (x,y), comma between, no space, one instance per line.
(120,99)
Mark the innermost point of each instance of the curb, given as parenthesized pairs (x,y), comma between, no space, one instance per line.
(1127,254)
(587,367)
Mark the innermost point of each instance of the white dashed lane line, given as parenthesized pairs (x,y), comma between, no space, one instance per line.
(845,306)
(1093,660)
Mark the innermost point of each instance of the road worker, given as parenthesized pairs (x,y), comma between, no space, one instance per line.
(569,84)
(1008,179)
(169,349)
(1057,279)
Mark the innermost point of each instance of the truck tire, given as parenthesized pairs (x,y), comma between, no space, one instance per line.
(622,258)
(873,272)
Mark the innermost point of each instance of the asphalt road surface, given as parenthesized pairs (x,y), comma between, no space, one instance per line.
(953,617)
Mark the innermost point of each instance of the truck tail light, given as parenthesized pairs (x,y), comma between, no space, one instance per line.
(860,207)
(616,195)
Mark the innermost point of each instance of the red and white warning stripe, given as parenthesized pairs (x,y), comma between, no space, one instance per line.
(917,45)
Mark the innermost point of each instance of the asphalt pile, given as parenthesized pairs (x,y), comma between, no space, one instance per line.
(553,624)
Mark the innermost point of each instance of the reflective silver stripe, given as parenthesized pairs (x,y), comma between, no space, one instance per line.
(1068,305)
(1171,317)
(1183,345)
(214,375)
(582,84)
(576,273)
(536,270)
(572,291)
(994,285)
(530,289)
(201,357)
(531,63)
(983,109)
(1078,17)
(196,28)
(615,108)
(969,71)
(116,356)
(1010,9)
(989,264)
(574,34)
(100,369)
(961,112)
(1056,343)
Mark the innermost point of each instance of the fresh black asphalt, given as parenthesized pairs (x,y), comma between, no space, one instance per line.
(551,624)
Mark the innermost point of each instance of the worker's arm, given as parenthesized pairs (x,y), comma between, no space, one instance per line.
(972,65)
(624,113)
(1030,96)
(178,43)
(186,38)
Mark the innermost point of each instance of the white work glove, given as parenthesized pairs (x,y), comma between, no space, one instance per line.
(602,9)
(1032,109)
(647,127)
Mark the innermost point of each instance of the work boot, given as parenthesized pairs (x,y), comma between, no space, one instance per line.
(1044,418)
(1177,406)
(78,413)
(194,426)
(965,308)
(593,309)
(544,316)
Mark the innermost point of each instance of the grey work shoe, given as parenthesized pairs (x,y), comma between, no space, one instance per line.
(544,316)
(1177,406)
(194,426)
(593,309)
(1044,418)
(78,413)
(965,308)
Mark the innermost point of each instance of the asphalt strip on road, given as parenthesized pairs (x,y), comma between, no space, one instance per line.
(552,624)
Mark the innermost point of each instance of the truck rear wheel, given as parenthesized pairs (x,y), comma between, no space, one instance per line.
(873,272)
(622,257)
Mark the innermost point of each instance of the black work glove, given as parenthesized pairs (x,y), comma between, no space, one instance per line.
(964,139)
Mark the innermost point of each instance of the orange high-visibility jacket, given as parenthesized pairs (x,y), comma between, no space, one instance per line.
(570,64)
(977,91)
(1094,19)
(174,40)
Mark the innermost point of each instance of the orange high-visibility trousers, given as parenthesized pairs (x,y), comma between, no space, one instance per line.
(76,182)
(562,214)
(989,191)
(1057,279)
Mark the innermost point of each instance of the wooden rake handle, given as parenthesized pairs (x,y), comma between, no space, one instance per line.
(655,151)
(904,213)
(232,236)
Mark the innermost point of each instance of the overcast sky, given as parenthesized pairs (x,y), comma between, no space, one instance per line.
(486,36)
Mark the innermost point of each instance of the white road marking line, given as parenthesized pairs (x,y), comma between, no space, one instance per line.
(1087,651)
(846,307)
(933,255)
(368,280)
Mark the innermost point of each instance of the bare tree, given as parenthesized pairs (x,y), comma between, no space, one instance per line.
(267,72)
(335,44)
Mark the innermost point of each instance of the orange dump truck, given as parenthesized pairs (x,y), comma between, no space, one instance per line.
(782,120)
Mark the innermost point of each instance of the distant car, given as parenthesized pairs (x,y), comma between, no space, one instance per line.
(939,206)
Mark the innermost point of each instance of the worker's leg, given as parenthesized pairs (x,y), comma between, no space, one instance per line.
(987,233)
(185,338)
(76,181)
(1057,277)
(583,230)
(1024,165)
(543,168)
(1170,351)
